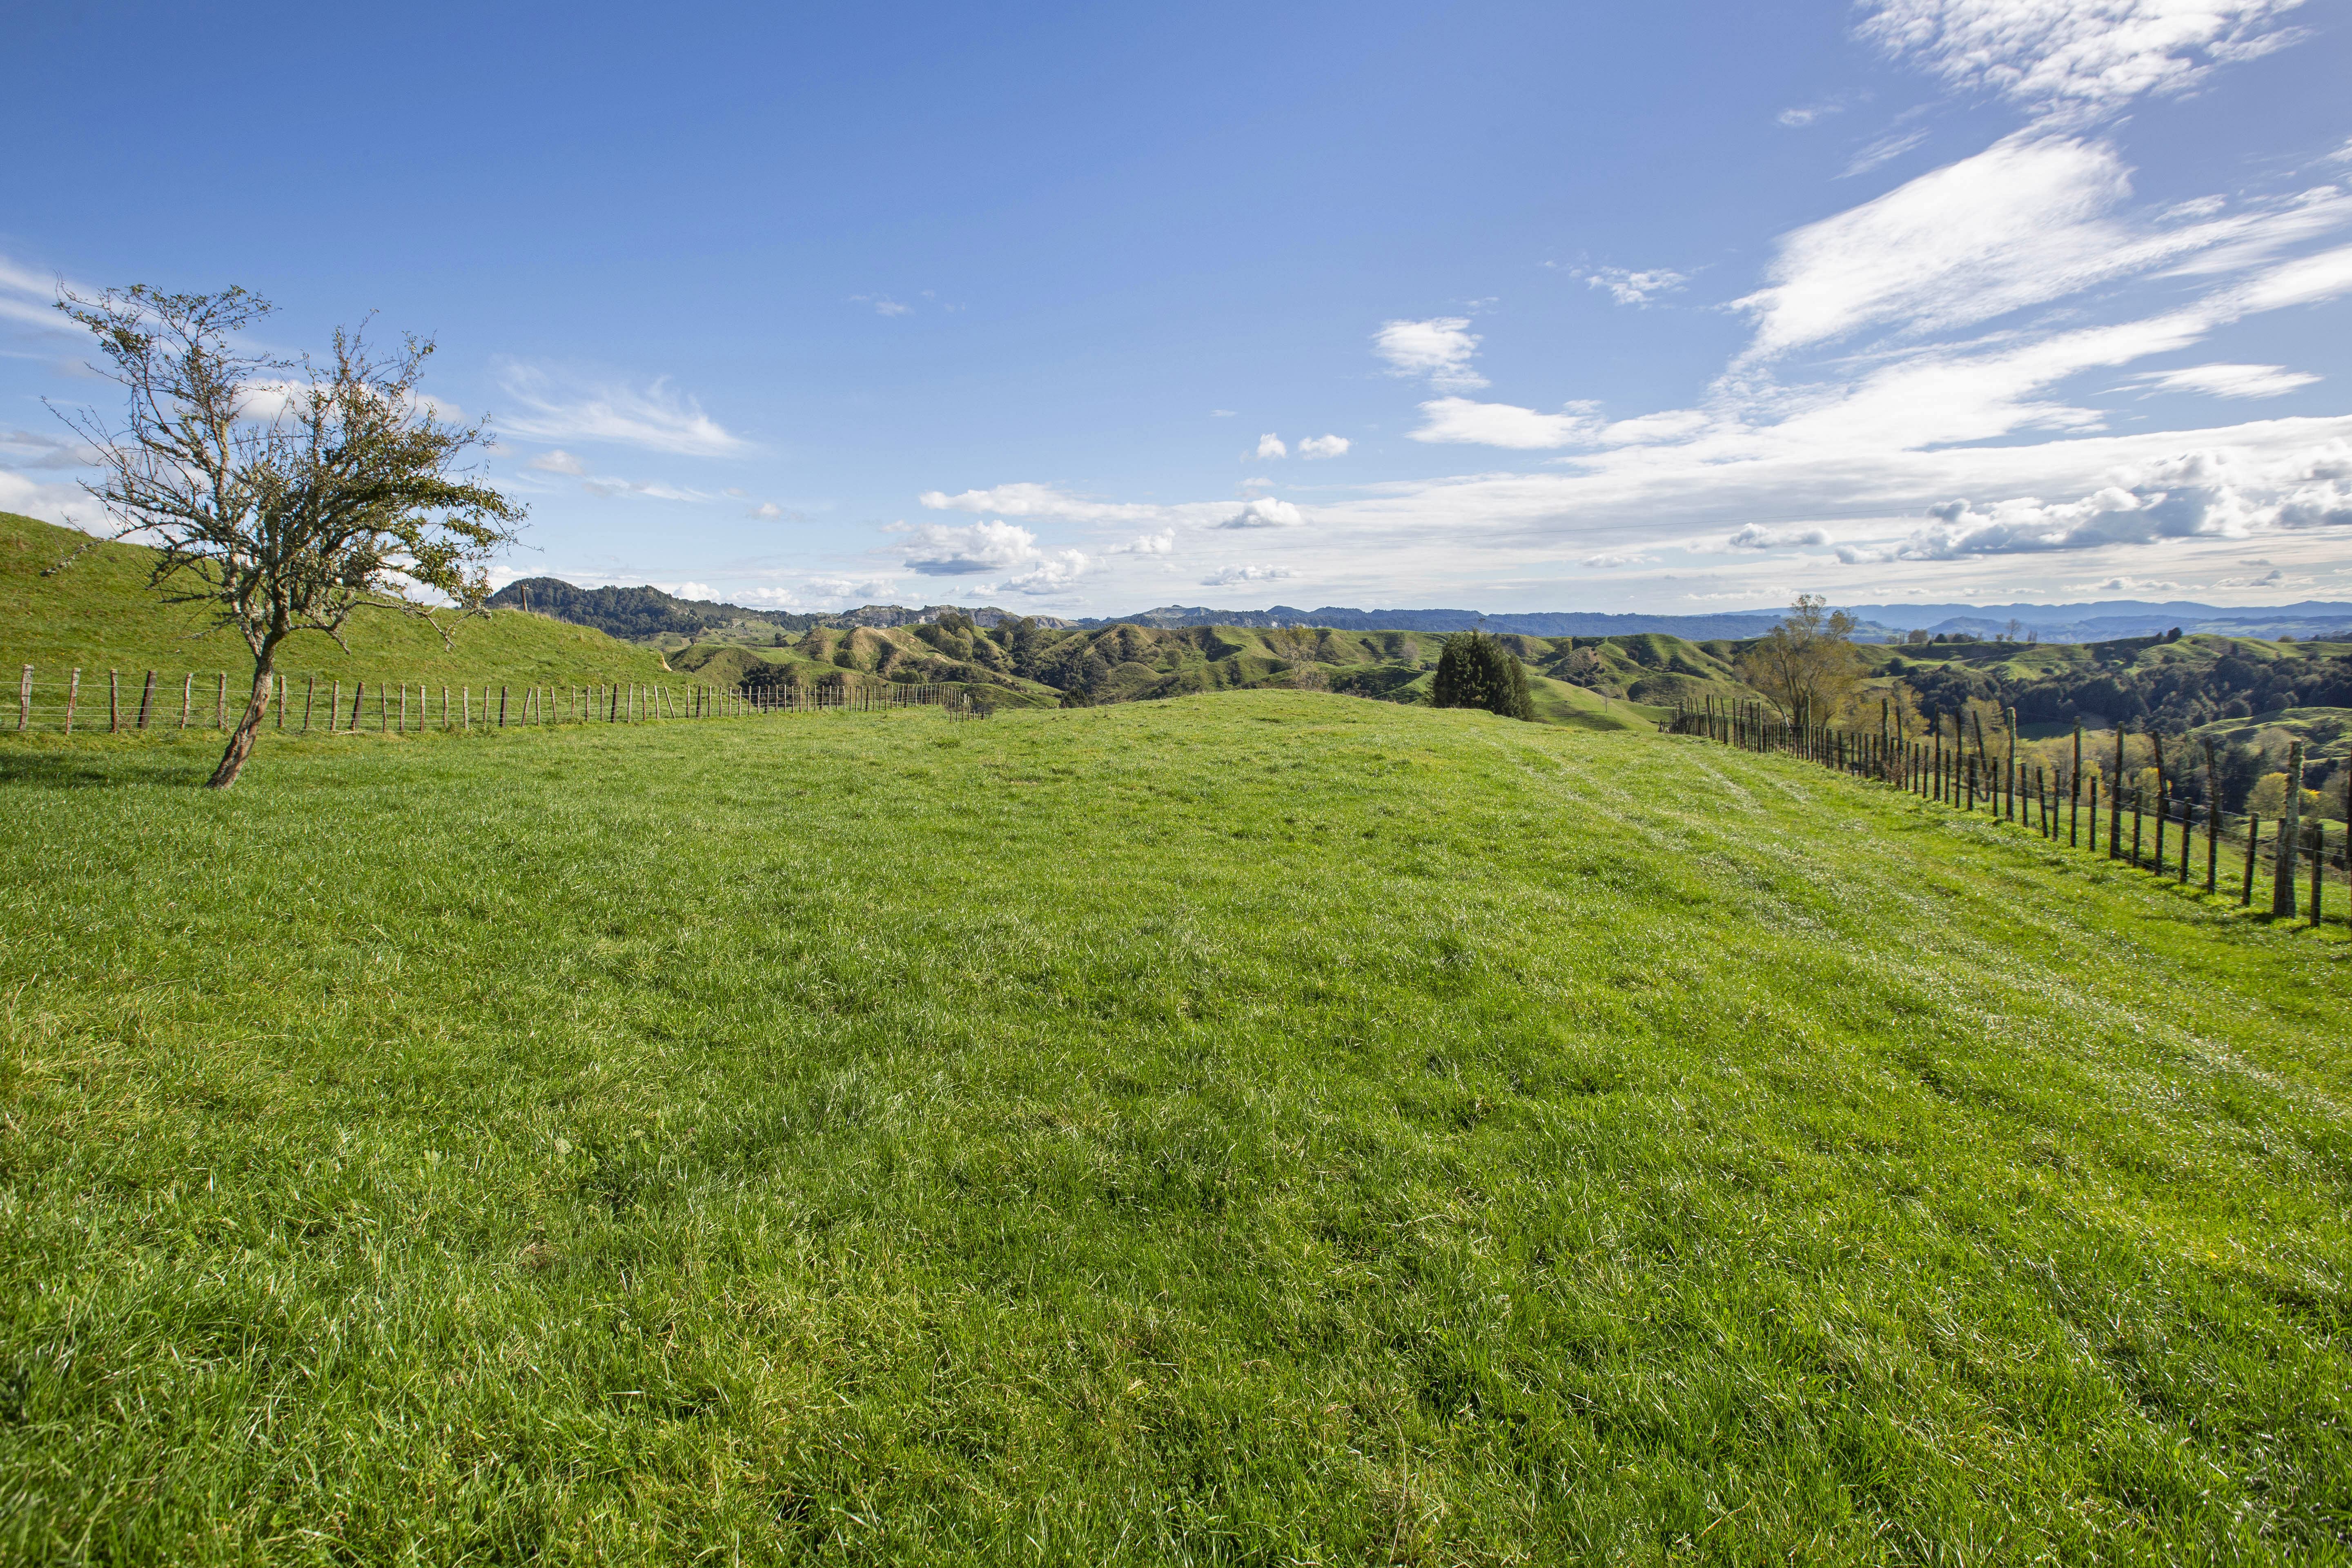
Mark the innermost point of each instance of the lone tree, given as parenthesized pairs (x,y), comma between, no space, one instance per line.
(1474,670)
(1808,665)
(285,494)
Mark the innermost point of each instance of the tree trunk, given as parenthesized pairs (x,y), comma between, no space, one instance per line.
(240,741)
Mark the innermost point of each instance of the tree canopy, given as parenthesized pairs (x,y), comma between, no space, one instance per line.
(283,494)
(1474,670)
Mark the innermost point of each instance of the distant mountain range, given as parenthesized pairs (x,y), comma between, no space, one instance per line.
(2097,622)
(648,612)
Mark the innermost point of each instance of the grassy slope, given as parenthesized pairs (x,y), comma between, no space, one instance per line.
(1255,1128)
(1151,664)
(100,614)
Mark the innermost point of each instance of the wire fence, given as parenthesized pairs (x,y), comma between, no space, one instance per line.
(2156,830)
(82,702)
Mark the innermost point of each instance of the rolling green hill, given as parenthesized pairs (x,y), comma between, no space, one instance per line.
(1254,1127)
(1020,663)
(100,614)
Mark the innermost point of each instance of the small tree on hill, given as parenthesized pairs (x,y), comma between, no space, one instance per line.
(1476,671)
(285,494)
(1808,666)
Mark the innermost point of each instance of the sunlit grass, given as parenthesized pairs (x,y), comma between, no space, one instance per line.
(1254,1127)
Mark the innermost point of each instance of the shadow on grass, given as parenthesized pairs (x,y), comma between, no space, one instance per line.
(50,768)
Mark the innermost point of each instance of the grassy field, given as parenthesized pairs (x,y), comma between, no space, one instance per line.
(100,614)
(1254,1127)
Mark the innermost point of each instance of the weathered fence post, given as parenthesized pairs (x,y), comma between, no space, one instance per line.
(502,707)
(2253,837)
(2095,819)
(2318,861)
(113,701)
(2289,839)
(73,695)
(25,699)
(220,702)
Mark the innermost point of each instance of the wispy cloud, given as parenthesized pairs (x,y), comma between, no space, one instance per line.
(1885,150)
(557,461)
(555,407)
(2227,380)
(1324,447)
(1229,576)
(1631,287)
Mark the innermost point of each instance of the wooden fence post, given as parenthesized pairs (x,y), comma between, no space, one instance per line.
(2212,842)
(309,695)
(187,698)
(2095,816)
(147,699)
(2253,837)
(2163,812)
(25,699)
(73,695)
(2289,839)
(113,701)
(220,702)
(502,707)
(2318,860)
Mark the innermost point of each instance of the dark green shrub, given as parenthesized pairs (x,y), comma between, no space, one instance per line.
(1476,671)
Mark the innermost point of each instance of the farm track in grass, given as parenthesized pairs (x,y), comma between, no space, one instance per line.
(1255,1128)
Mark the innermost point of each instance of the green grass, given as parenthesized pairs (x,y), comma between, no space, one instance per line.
(100,614)
(1255,1128)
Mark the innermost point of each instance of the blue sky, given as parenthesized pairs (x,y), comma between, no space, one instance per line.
(1674,307)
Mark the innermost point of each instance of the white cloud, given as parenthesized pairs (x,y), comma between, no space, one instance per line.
(1756,536)
(1045,502)
(1324,447)
(1440,348)
(67,504)
(33,449)
(557,461)
(2227,380)
(1264,513)
(936,550)
(1053,573)
(883,304)
(1809,115)
(652,489)
(1161,543)
(2083,56)
(1609,558)
(688,590)
(2197,495)
(1458,419)
(766,509)
(1631,287)
(558,408)
(1229,576)
(1671,424)
(1270,445)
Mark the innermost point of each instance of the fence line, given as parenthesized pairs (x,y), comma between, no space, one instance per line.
(61,705)
(2051,801)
